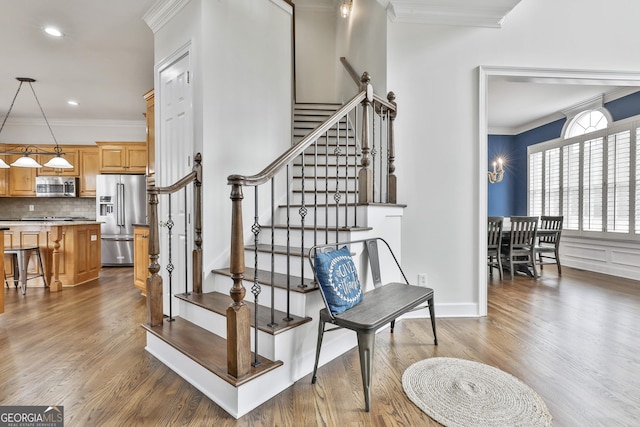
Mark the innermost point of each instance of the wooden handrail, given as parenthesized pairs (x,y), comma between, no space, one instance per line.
(154,280)
(350,70)
(194,175)
(289,155)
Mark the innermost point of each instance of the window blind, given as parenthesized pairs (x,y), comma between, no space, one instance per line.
(571,186)
(618,181)
(592,175)
(552,182)
(535,184)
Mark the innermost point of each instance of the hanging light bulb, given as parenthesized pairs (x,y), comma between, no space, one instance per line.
(345,8)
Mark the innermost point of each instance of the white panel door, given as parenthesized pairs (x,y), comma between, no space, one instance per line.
(175,152)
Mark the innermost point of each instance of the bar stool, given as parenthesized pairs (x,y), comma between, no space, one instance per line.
(20,259)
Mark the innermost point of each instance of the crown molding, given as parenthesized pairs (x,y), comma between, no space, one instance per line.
(78,123)
(471,13)
(162,12)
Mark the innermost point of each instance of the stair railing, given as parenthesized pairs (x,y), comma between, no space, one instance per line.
(351,134)
(154,280)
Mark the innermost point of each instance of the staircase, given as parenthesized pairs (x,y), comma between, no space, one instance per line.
(319,205)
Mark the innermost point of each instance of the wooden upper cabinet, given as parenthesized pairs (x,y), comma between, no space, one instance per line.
(151,133)
(71,154)
(122,157)
(89,164)
(4,177)
(22,181)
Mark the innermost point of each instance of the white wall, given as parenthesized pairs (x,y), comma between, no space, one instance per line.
(316,59)
(241,55)
(77,132)
(434,72)
(362,39)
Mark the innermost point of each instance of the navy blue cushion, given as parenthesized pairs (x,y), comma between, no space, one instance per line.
(339,280)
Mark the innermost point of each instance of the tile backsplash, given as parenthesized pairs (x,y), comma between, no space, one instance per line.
(18,207)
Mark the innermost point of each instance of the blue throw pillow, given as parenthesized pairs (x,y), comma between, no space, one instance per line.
(339,280)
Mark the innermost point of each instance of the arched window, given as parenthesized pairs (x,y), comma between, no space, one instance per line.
(586,122)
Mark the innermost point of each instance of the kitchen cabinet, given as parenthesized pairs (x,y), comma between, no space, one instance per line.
(4,177)
(89,162)
(122,157)
(141,257)
(70,153)
(151,135)
(22,181)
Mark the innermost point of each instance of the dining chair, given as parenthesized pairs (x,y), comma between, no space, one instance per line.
(546,249)
(494,244)
(522,238)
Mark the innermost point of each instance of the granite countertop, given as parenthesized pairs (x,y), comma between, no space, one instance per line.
(17,222)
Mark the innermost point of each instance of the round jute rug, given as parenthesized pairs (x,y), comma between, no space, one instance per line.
(462,393)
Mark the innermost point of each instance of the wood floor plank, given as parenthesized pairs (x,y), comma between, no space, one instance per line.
(573,339)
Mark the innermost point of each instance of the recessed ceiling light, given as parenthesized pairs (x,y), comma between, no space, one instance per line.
(53,31)
(72,102)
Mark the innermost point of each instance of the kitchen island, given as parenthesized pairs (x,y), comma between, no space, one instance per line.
(70,250)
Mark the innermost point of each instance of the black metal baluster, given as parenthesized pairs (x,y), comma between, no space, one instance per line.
(186,245)
(255,288)
(315,192)
(382,174)
(303,214)
(170,265)
(326,187)
(373,150)
(355,166)
(288,318)
(273,323)
(336,196)
(346,170)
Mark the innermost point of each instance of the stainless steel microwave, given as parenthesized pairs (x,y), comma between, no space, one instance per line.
(56,186)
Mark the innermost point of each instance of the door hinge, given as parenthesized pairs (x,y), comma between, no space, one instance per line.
(188,77)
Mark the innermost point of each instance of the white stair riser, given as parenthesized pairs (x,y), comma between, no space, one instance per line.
(297,300)
(296,236)
(323,185)
(321,198)
(355,217)
(280,262)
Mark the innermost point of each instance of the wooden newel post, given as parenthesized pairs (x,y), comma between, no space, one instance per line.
(393,183)
(365,175)
(154,281)
(56,284)
(238,316)
(197,251)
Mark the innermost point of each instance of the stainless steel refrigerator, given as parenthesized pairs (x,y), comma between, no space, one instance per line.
(121,201)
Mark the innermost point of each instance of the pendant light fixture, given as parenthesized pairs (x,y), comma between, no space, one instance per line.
(25,160)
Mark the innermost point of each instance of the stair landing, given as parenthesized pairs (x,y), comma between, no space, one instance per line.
(205,348)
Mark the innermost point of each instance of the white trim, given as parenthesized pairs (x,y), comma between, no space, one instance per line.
(78,123)
(478,13)
(162,12)
(283,5)
(614,78)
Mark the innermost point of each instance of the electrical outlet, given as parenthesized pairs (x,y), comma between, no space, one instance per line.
(31,208)
(422,279)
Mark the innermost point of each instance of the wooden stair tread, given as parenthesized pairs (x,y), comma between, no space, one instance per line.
(207,349)
(218,303)
(280,279)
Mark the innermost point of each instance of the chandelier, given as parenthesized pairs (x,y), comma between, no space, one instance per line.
(25,160)
(497,174)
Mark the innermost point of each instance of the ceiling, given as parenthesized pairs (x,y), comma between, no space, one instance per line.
(105,62)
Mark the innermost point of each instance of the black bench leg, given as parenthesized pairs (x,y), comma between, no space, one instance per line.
(393,325)
(366,341)
(432,315)
(321,324)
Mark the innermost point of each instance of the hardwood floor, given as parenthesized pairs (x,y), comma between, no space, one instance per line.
(575,340)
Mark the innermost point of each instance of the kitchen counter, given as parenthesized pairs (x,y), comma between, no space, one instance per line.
(70,250)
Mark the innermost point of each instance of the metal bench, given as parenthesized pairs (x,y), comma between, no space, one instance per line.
(379,306)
